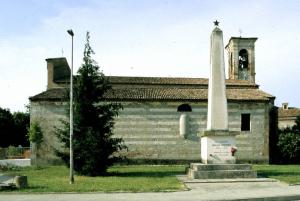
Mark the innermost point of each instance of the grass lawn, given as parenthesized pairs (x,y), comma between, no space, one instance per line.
(286,173)
(134,178)
(143,178)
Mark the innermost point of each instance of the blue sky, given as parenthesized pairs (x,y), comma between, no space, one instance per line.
(145,38)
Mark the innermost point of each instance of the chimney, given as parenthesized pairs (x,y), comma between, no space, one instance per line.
(285,106)
(58,72)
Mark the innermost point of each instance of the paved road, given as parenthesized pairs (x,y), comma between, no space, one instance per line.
(198,191)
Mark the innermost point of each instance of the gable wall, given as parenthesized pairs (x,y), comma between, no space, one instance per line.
(49,116)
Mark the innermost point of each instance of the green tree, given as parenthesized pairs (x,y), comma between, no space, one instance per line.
(21,124)
(13,128)
(95,148)
(6,128)
(289,143)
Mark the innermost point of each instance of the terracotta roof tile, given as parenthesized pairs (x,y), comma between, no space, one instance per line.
(162,94)
(183,94)
(291,112)
(58,94)
(166,88)
(121,80)
(172,81)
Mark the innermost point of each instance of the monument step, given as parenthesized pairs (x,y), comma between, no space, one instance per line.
(210,167)
(221,174)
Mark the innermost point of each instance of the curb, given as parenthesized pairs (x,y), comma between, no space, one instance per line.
(277,198)
(184,179)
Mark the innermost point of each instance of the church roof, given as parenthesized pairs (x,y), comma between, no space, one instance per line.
(183,94)
(162,88)
(121,80)
(163,81)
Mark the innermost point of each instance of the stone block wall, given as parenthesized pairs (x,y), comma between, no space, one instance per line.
(16,162)
(287,122)
(151,130)
(49,116)
(253,145)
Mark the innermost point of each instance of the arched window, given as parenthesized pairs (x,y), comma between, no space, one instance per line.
(243,59)
(184,108)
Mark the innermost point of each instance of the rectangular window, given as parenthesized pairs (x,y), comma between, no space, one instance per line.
(245,122)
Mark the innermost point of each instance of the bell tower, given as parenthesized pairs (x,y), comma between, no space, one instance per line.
(241,58)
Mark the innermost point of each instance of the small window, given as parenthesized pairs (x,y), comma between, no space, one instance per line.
(245,122)
(184,108)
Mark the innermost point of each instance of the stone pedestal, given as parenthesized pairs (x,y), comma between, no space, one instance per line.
(217,145)
(217,159)
(220,171)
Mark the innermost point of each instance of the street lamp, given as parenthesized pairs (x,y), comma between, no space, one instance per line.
(70,32)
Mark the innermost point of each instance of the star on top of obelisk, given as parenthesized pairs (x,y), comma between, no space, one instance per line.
(216,23)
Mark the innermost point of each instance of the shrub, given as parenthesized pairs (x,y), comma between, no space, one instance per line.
(289,143)
(9,167)
(13,151)
(35,134)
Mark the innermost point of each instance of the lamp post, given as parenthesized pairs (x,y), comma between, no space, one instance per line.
(70,32)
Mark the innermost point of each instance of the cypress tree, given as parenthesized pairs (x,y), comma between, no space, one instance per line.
(95,148)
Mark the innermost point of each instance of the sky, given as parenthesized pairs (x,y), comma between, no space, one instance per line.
(166,38)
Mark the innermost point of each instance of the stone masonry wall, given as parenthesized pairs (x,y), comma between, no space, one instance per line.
(253,145)
(151,129)
(49,116)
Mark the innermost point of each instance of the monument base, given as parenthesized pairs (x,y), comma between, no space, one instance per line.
(218,161)
(220,171)
(217,146)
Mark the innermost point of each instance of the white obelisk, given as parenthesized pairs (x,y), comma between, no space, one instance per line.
(217,114)
(217,141)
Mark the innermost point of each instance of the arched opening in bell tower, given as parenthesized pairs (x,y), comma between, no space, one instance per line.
(243,64)
(243,59)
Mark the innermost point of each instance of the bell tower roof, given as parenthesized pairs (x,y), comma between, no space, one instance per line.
(241,39)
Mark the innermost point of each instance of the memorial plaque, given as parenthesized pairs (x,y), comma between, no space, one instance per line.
(221,147)
(217,149)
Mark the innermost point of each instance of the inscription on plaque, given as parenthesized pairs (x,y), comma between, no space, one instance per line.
(217,149)
(221,148)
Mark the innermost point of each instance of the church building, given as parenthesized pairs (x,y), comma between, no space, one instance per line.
(163,116)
